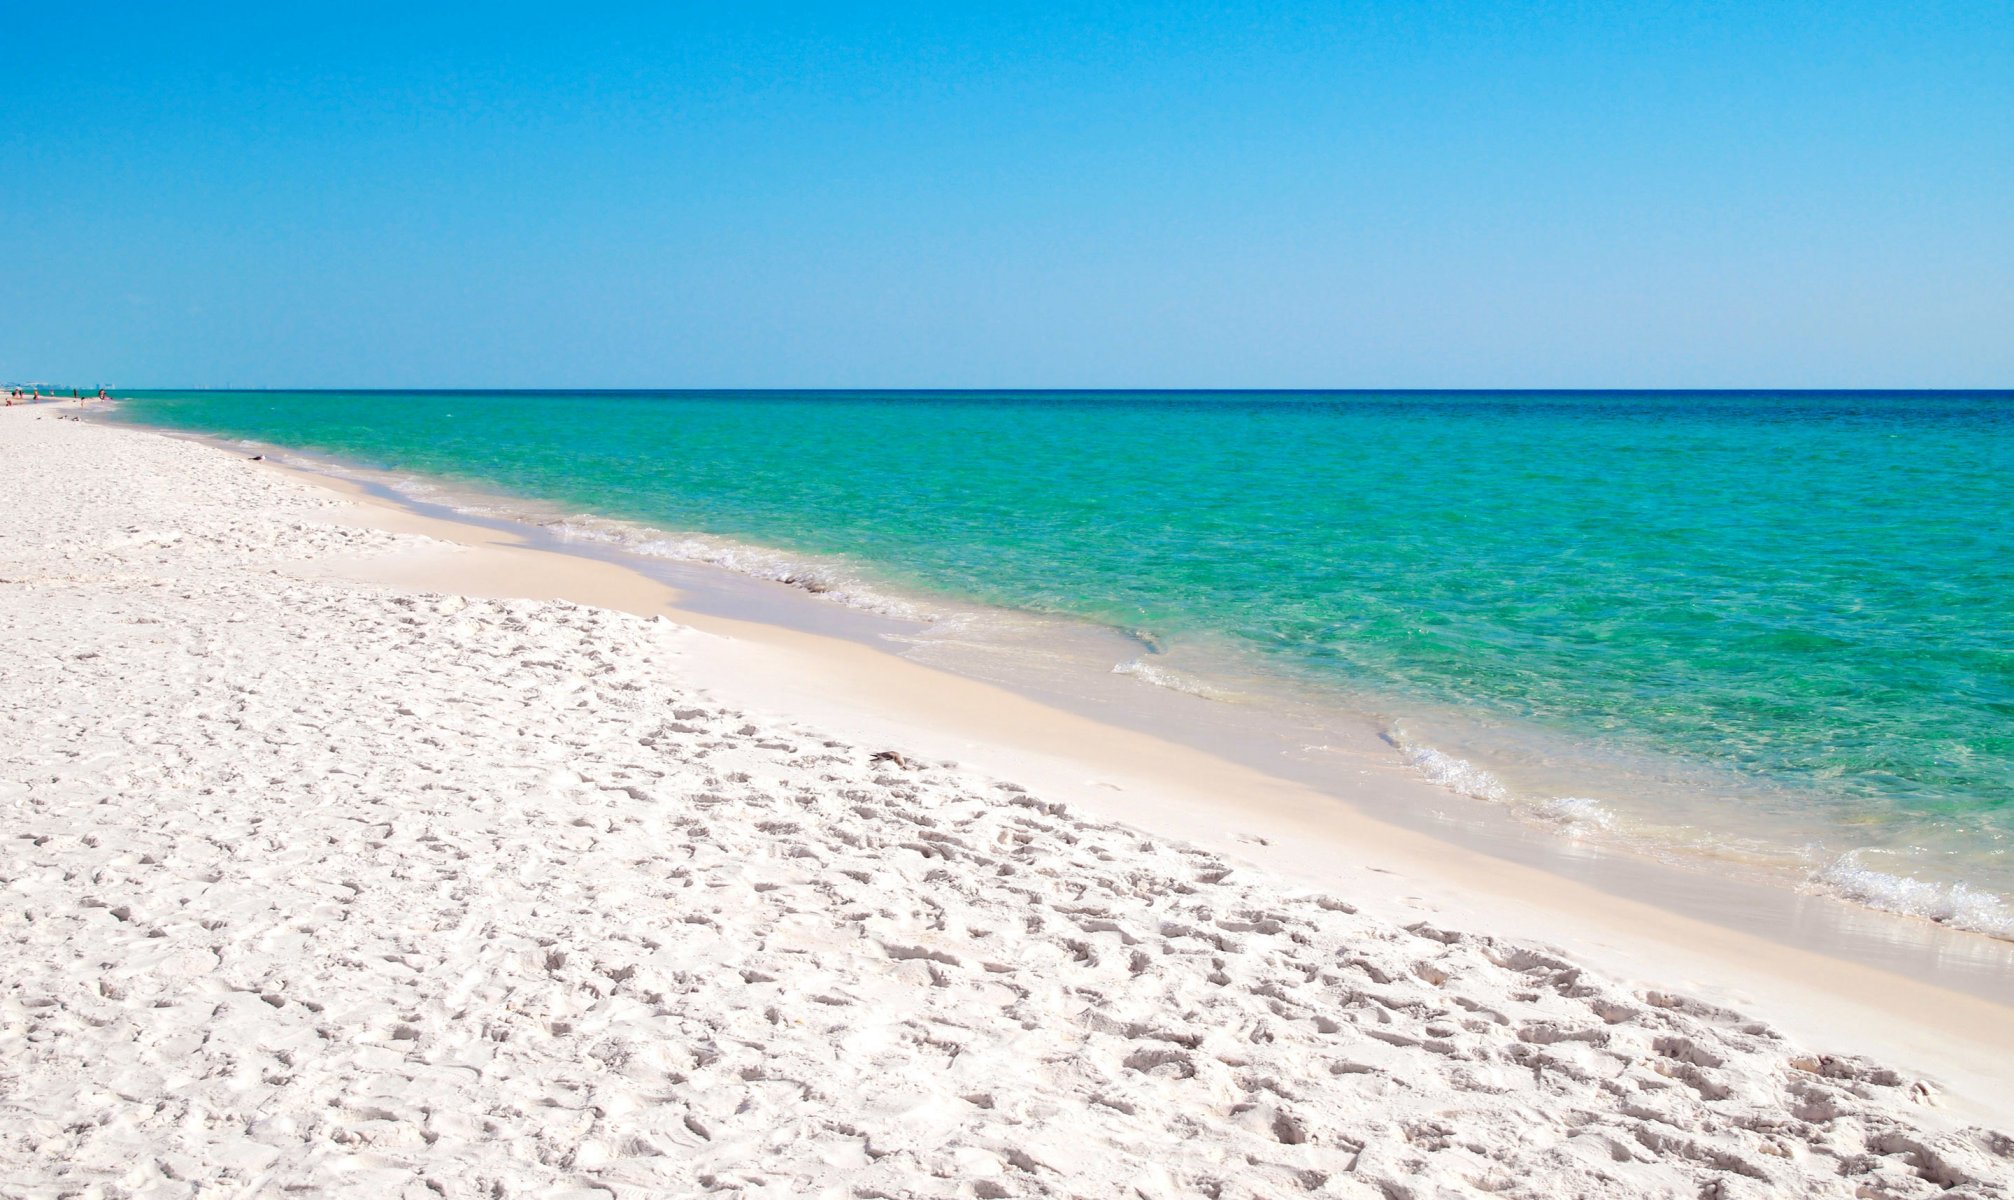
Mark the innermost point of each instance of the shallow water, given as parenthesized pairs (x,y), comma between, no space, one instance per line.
(1773,628)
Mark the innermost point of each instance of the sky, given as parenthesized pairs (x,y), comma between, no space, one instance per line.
(1008,195)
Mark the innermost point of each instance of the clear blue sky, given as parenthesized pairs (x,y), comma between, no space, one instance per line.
(1223,194)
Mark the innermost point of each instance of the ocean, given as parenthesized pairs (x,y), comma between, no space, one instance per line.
(1772,629)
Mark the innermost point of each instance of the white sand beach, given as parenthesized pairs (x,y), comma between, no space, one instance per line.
(344,856)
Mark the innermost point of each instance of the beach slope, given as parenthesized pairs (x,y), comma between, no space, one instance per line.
(313,885)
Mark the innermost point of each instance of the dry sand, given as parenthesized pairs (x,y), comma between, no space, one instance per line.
(327,886)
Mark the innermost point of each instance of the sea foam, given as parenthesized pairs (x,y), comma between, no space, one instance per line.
(1161,677)
(1455,774)
(1574,816)
(1956,903)
(826,580)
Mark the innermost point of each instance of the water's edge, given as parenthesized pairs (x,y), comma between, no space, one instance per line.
(1913,929)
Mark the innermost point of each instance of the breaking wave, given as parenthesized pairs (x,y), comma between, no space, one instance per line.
(1457,775)
(1571,815)
(822,578)
(826,579)
(1161,677)
(1955,903)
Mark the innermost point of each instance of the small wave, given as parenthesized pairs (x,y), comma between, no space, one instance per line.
(1957,903)
(1147,639)
(1160,677)
(827,581)
(573,532)
(1575,815)
(425,489)
(1455,774)
(271,453)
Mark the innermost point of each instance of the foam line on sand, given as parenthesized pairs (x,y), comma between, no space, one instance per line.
(320,886)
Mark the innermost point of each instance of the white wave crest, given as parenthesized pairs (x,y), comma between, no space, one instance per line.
(573,531)
(1575,815)
(1160,677)
(1955,903)
(424,489)
(1455,774)
(826,580)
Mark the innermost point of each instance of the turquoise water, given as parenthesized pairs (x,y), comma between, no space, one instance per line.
(1810,597)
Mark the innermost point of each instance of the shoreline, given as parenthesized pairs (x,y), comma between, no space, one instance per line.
(1514,789)
(1370,776)
(1741,943)
(165,597)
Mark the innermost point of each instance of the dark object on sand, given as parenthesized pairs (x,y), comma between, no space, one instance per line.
(258,458)
(890,756)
